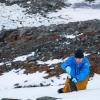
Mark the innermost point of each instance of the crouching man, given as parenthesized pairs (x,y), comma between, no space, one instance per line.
(77,67)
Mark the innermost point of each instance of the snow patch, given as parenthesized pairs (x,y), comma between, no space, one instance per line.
(69,36)
(91,93)
(9,79)
(75,1)
(15,16)
(7,63)
(24,57)
(50,62)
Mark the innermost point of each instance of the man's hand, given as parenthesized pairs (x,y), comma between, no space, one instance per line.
(74,80)
(68,70)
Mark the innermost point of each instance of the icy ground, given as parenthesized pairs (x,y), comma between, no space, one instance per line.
(9,80)
(91,93)
(13,78)
(15,16)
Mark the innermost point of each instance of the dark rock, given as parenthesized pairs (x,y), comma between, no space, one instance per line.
(46,5)
(10,2)
(90,0)
(5,68)
(47,98)
(31,58)
(17,64)
(9,99)
(38,6)
(2,35)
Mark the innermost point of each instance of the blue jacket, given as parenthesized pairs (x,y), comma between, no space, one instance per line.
(78,71)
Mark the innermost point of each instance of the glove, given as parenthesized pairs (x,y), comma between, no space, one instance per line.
(74,80)
(68,70)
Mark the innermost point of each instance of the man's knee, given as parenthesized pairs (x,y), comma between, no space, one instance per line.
(82,84)
(66,89)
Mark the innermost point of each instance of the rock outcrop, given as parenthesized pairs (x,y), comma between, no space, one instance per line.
(49,42)
(47,98)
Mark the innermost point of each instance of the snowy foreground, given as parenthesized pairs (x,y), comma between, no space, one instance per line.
(92,92)
(15,16)
(9,80)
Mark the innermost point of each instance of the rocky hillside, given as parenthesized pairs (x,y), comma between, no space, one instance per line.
(52,42)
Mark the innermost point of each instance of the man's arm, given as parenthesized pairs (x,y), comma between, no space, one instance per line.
(66,63)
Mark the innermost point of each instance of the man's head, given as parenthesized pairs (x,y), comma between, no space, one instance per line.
(79,55)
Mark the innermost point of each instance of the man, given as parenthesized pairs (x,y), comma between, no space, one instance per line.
(77,67)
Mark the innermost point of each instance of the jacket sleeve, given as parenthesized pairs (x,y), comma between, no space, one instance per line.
(84,72)
(66,63)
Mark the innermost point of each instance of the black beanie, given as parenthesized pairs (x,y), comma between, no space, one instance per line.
(79,53)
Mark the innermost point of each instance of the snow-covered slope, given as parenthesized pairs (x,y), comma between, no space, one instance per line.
(92,92)
(17,78)
(15,16)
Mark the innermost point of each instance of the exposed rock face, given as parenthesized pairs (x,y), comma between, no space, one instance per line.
(9,99)
(52,70)
(90,0)
(48,43)
(46,5)
(95,64)
(51,40)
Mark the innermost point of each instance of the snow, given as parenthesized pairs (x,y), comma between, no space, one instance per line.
(7,63)
(28,2)
(97,1)
(19,58)
(91,93)
(80,1)
(18,77)
(50,62)
(69,36)
(56,61)
(74,1)
(86,54)
(1,63)
(15,16)
(9,79)
(73,15)
(34,93)
(24,57)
